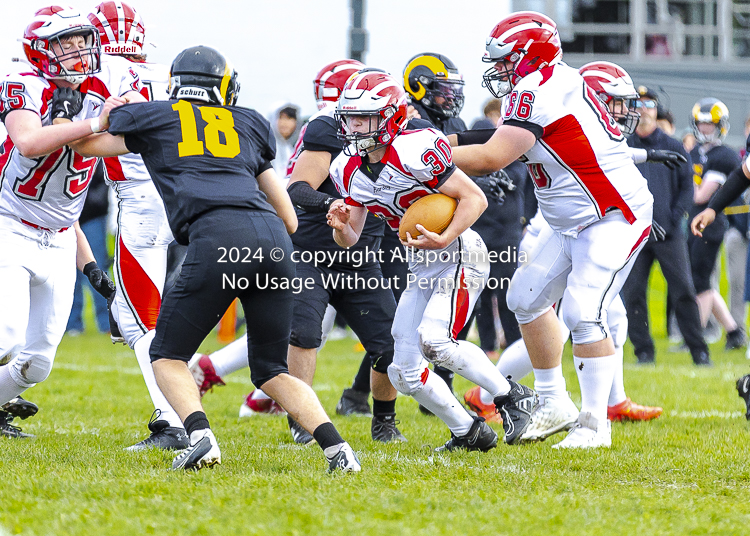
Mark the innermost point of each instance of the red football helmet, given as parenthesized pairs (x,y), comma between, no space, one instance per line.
(50,27)
(527,39)
(377,96)
(331,79)
(614,87)
(120,28)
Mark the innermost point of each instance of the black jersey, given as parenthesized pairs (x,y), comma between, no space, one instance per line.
(714,164)
(199,157)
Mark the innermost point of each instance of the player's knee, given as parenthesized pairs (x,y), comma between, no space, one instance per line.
(306,336)
(381,361)
(435,346)
(31,370)
(586,326)
(267,361)
(407,381)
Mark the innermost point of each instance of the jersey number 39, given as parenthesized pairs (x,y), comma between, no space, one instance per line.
(217,120)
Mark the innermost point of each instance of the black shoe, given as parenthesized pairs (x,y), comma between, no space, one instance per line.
(515,409)
(162,436)
(735,339)
(702,359)
(480,437)
(384,429)
(353,403)
(203,453)
(645,358)
(743,389)
(21,408)
(8,430)
(299,434)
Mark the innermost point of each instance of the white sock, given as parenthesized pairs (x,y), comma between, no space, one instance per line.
(617,393)
(231,358)
(258,394)
(472,363)
(9,389)
(550,383)
(141,349)
(515,362)
(437,397)
(595,376)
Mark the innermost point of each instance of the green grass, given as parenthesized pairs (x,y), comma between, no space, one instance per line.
(685,473)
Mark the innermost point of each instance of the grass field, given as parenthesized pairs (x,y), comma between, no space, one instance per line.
(685,473)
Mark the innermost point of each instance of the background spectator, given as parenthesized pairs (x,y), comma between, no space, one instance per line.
(286,126)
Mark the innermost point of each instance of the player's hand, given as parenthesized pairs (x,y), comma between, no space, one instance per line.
(427,240)
(110,104)
(412,113)
(66,103)
(338,215)
(671,159)
(99,280)
(702,220)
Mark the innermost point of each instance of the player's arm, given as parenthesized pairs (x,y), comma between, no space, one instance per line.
(347,222)
(309,173)
(270,184)
(738,182)
(506,145)
(34,140)
(471,204)
(86,263)
(705,190)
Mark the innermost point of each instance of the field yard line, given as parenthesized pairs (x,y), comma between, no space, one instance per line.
(706,414)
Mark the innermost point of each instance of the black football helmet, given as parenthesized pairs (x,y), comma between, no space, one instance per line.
(434,82)
(204,74)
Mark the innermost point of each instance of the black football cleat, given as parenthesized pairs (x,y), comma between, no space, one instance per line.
(515,409)
(384,429)
(353,403)
(21,408)
(204,452)
(162,436)
(345,460)
(735,339)
(8,430)
(743,389)
(479,437)
(299,434)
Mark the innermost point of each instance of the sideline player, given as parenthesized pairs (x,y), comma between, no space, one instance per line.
(211,163)
(383,170)
(143,233)
(44,185)
(588,190)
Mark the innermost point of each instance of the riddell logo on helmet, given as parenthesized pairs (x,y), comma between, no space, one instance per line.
(120,49)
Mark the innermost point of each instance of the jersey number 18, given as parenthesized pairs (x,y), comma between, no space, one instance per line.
(217,120)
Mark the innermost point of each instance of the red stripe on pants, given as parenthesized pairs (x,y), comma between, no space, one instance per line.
(139,290)
(462,306)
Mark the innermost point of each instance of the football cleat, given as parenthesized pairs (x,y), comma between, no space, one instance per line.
(299,434)
(262,405)
(353,403)
(550,416)
(515,409)
(8,430)
(627,410)
(735,339)
(202,452)
(384,429)
(162,436)
(587,433)
(479,437)
(204,373)
(21,408)
(743,389)
(345,460)
(473,399)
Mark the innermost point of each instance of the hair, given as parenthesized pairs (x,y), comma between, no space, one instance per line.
(493,106)
(663,113)
(289,111)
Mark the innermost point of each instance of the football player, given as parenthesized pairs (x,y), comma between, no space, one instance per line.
(384,169)
(143,233)
(588,190)
(211,164)
(44,185)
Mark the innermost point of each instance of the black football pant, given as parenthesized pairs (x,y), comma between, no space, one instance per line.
(672,255)
(223,263)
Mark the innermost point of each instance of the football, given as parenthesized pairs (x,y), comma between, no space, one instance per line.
(434,212)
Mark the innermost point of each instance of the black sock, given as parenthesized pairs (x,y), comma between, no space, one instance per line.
(196,421)
(383,407)
(327,436)
(362,379)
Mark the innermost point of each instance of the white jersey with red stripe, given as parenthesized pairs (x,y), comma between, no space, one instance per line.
(581,166)
(50,191)
(155,83)
(417,163)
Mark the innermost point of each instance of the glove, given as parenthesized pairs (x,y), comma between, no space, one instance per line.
(99,280)
(495,185)
(657,234)
(66,103)
(671,159)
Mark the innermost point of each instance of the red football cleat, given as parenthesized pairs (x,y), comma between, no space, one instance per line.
(627,410)
(262,405)
(204,373)
(475,404)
